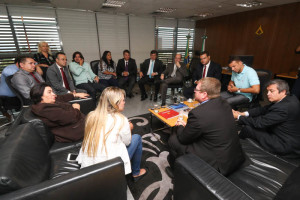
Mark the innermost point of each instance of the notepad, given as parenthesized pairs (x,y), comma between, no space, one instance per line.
(168,114)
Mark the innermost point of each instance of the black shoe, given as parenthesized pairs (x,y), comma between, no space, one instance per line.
(143,97)
(130,95)
(169,172)
(136,179)
(155,98)
(150,97)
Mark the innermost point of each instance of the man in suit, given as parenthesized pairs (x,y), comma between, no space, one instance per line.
(24,79)
(126,73)
(275,126)
(174,74)
(58,76)
(243,84)
(204,135)
(207,68)
(150,72)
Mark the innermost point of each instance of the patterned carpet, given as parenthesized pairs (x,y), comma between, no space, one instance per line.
(156,184)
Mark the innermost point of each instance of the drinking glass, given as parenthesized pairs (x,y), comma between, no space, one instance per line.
(156,107)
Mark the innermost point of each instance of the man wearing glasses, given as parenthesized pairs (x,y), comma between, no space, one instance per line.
(210,131)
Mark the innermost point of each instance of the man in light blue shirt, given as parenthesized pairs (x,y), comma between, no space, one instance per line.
(8,71)
(244,83)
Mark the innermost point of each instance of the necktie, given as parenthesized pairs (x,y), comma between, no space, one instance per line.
(151,69)
(65,79)
(174,71)
(204,70)
(37,80)
(126,69)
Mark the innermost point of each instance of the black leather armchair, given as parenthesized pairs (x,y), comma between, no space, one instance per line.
(260,177)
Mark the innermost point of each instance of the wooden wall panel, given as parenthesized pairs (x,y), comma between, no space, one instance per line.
(235,35)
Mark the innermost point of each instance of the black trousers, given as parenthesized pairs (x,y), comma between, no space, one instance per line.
(92,88)
(144,80)
(176,149)
(164,86)
(189,92)
(123,82)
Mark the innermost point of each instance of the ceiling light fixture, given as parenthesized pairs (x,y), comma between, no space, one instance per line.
(203,15)
(249,4)
(165,10)
(114,4)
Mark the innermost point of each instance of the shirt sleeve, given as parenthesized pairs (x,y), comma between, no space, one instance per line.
(253,78)
(125,132)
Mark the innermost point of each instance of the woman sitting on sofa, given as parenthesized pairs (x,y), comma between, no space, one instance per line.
(65,121)
(108,135)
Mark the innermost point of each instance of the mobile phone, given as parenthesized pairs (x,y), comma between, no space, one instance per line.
(72,157)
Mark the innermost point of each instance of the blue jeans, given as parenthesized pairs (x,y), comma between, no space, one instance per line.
(135,153)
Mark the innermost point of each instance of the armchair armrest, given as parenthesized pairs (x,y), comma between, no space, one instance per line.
(195,179)
(86,105)
(104,180)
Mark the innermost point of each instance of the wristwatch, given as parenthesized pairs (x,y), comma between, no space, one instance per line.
(239,90)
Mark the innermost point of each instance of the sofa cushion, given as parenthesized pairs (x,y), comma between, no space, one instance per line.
(59,164)
(24,159)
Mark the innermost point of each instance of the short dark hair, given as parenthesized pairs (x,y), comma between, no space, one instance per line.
(204,52)
(154,52)
(24,58)
(126,51)
(234,58)
(281,85)
(59,53)
(37,92)
(197,53)
(74,55)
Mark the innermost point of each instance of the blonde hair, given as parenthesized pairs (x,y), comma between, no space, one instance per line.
(40,46)
(95,124)
(211,86)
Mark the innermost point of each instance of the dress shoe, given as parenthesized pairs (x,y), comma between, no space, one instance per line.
(130,95)
(155,98)
(137,178)
(169,172)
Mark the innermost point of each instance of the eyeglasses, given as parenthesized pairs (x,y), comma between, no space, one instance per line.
(196,90)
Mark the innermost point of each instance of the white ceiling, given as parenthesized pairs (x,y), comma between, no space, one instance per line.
(184,8)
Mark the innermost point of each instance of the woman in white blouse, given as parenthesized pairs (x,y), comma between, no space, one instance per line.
(108,135)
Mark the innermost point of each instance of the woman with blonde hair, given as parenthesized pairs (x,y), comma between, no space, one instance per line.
(108,135)
(44,58)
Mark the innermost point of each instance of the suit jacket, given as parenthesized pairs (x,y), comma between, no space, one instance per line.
(23,82)
(54,78)
(158,67)
(64,121)
(181,72)
(214,71)
(280,122)
(213,140)
(132,68)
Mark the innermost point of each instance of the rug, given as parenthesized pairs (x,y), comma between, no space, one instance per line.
(156,185)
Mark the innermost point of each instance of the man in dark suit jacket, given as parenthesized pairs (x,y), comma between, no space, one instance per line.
(275,126)
(126,72)
(205,135)
(207,68)
(150,72)
(174,74)
(55,76)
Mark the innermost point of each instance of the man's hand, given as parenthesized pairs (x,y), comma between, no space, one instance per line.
(162,76)
(130,125)
(125,73)
(178,65)
(114,73)
(96,79)
(141,74)
(180,122)
(237,113)
(81,95)
(154,74)
(76,106)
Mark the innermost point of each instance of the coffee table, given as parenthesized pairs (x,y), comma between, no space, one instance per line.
(170,123)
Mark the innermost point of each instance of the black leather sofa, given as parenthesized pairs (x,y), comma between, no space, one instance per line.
(261,176)
(33,166)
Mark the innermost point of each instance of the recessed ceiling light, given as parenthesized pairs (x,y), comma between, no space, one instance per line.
(166,10)
(249,4)
(109,3)
(203,14)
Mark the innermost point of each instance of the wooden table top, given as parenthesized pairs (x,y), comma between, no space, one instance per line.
(172,121)
(291,75)
(226,71)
